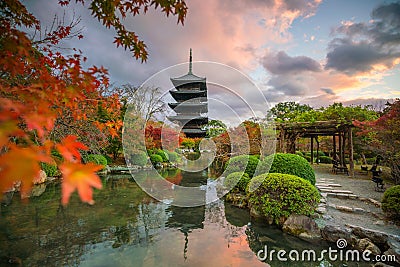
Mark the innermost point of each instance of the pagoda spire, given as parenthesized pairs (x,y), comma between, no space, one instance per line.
(190,62)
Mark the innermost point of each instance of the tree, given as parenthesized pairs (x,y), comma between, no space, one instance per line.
(215,128)
(384,137)
(287,111)
(42,90)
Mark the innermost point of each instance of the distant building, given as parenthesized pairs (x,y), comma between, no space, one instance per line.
(191,106)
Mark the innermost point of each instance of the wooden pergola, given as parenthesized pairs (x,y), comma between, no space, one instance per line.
(339,130)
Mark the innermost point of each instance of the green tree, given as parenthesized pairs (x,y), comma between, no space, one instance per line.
(215,128)
(287,111)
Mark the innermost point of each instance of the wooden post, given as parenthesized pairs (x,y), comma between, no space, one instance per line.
(334,147)
(316,140)
(351,151)
(312,150)
(344,149)
(281,140)
(340,149)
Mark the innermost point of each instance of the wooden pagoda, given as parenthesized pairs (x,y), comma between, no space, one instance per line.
(191,106)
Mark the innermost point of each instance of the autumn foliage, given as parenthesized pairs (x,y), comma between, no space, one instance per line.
(38,88)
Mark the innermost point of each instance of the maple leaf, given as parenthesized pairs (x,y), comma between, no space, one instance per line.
(69,148)
(81,177)
(20,164)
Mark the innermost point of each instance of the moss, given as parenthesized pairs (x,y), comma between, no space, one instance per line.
(277,196)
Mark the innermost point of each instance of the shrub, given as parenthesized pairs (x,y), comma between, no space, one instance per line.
(96,158)
(163,155)
(308,158)
(370,161)
(242,163)
(156,159)
(299,153)
(237,181)
(109,159)
(173,156)
(280,195)
(288,164)
(391,202)
(139,158)
(51,170)
(325,159)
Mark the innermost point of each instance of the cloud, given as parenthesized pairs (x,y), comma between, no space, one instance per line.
(281,63)
(366,47)
(328,91)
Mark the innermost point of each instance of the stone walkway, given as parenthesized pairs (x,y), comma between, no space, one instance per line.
(351,201)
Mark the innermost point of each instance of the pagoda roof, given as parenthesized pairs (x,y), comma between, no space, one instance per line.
(196,131)
(189,77)
(187,117)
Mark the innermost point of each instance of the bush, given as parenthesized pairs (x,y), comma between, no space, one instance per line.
(156,159)
(370,161)
(96,158)
(391,202)
(308,158)
(280,195)
(237,181)
(288,164)
(163,155)
(139,158)
(173,156)
(325,159)
(51,170)
(299,153)
(242,163)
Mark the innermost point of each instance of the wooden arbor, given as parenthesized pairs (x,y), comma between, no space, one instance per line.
(339,130)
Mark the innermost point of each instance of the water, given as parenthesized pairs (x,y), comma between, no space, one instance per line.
(128,228)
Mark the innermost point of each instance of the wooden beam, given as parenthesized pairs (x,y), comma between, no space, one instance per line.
(316,140)
(334,147)
(312,150)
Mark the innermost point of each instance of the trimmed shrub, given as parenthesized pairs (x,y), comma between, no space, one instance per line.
(96,158)
(288,164)
(242,163)
(280,195)
(156,159)
(299,153)
(173,156)
(391,202)
(325,159)
(308,158)
(109,159)
(139,158)
(51,170)
(163,155)
(237,181)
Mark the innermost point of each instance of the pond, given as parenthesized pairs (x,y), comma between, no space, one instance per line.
(126,227)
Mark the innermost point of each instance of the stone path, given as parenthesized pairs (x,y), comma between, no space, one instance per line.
(350,201)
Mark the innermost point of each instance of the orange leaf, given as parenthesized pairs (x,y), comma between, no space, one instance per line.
(20,164)
(81,177)
(69,148)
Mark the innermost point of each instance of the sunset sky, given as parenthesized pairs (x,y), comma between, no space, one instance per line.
(314,52)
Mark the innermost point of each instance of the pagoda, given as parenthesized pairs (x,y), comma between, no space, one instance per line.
(190,94)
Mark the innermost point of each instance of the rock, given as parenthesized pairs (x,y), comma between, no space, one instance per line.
(332,233)
(302,226)
(36,191)
(321,210)
(344,208)
(41,178)
(394,248)
(381,264)
(376,237)
(366,244)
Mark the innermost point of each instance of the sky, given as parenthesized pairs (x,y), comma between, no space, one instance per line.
(315,52)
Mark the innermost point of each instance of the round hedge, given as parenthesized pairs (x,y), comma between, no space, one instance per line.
(391,202)
(96,158)
(280,195)
(156,159)
(237,181)
(163,155)
(242,163)
(288,164)
(139,158)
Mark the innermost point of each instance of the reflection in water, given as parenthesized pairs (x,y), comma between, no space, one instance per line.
(127,228)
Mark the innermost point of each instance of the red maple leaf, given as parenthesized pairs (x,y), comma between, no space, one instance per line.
(69,148)
(81,177)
